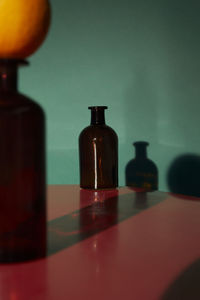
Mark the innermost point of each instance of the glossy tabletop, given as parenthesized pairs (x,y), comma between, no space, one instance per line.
(114,244)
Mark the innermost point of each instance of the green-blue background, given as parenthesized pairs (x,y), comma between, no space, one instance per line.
(140,58)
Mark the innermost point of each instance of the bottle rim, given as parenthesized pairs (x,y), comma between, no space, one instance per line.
(13,61)
(141,143)
(97,107)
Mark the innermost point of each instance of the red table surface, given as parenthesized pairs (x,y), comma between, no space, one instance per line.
(149,252)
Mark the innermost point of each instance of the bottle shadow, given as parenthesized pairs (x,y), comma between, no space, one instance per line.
(183,176)
(79,225)
(186,286)
(141,172)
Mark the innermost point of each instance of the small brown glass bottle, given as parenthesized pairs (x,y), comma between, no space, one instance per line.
(22,171)
(142,172)
(98,153)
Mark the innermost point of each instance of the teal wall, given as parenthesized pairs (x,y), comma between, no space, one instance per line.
(140,58)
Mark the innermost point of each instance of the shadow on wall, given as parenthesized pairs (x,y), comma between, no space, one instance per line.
(186,286)
(141,172)
(184,175)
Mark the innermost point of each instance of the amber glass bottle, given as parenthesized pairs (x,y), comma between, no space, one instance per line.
(98,153)
(141,172)
(22,171)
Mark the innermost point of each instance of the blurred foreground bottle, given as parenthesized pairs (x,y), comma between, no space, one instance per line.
(22,171)
(98,153)
(142,172)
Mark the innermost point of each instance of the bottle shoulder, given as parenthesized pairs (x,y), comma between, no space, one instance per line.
(142,163)
(11,102)
(98,130)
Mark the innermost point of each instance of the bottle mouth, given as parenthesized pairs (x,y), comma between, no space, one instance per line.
(13,62)
(141,143)
(97,107)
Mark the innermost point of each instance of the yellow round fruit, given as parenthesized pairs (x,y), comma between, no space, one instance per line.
(23,26)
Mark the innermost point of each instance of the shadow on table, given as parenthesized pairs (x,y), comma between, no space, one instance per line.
(81,224)
(186,286)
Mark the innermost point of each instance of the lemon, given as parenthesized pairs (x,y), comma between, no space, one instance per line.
(23,26)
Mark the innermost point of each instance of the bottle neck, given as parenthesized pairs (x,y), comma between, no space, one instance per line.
(8,78)
(97,118)
(141,150)
(9,74)
(141,153)
(97,115)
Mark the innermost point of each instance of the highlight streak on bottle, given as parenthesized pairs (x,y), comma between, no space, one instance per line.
(95,162)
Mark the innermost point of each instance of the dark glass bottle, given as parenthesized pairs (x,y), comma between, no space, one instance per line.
(142,172)
(22,171)
(98,153)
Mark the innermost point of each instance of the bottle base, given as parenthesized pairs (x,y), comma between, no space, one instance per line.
(19,260)
(20,257)
(99,188)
